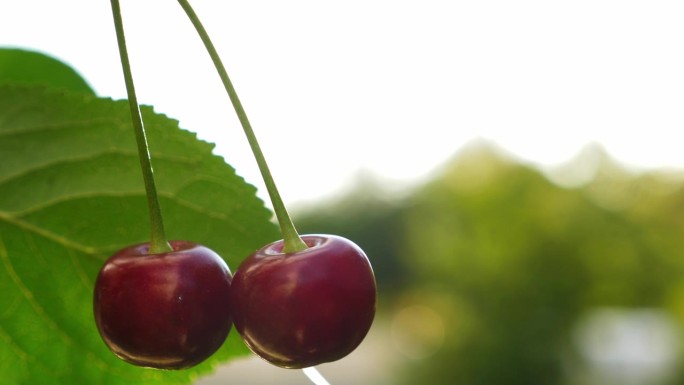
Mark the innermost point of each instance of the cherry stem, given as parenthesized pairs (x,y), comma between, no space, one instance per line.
(158,242)
(292,241)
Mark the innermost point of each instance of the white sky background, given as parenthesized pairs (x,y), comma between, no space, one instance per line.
(391,87)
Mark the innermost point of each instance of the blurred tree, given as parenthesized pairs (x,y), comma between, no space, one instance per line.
(512,262)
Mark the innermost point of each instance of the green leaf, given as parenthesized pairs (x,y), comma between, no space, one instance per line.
(71,194)
(18,66)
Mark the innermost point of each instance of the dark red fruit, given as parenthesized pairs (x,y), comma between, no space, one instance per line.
(302,309)
(168,310)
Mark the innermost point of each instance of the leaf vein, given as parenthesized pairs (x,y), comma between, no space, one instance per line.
(57,126)
(16,349)
(40,311)
(85,159)
(90,251)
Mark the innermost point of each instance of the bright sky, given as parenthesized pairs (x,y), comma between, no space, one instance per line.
(390,87)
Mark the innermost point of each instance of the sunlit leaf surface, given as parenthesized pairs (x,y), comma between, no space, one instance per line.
(71,193)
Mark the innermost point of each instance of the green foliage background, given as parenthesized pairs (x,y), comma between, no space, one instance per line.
(512,262)
(71,194)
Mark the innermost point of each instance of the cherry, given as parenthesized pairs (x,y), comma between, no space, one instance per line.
(300,301)
(160,304)
(168,310)
(304,308)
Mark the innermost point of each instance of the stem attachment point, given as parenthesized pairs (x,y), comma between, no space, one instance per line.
(158,242)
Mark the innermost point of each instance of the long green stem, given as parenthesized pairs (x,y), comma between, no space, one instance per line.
(291,238)
(158,242)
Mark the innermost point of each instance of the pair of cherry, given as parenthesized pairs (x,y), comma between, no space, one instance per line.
(295,309)
(297,302)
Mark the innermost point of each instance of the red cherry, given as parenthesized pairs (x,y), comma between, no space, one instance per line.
(168,310)
(305,308)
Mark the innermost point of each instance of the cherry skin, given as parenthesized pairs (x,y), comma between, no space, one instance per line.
(168,310)
(302,309)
